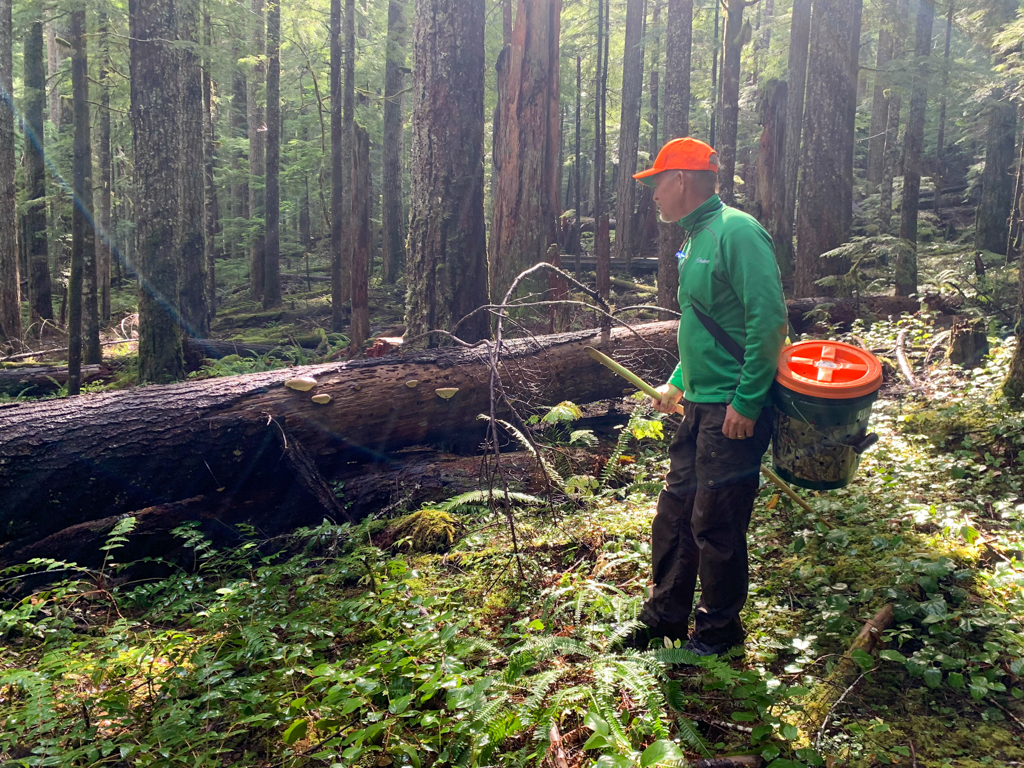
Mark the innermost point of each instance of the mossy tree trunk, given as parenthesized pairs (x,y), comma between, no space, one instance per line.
(447,267)
(154,84)
(736,35)
(771,161)
(210,206)
(879,105)
(238,124)
(338,275)
(361,188)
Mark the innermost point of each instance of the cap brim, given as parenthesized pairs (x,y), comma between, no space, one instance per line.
(647,177)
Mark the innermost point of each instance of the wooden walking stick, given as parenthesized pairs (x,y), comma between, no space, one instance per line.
(650,391)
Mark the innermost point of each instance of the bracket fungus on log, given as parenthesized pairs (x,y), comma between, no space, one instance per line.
(321,399)
(301,383)
(446,393)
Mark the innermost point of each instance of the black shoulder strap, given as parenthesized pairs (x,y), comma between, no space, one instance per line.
(723,338)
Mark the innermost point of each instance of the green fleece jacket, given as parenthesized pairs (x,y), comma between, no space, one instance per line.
(727,269)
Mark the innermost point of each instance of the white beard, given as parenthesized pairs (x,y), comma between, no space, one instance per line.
(661,218)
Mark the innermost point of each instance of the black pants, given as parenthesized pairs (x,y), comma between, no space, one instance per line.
(700,528)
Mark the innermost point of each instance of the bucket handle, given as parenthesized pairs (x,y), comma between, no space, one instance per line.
(864,443)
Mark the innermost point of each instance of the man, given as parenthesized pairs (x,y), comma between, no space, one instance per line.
(731,331)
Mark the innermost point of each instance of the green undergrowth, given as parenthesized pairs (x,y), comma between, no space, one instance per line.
(333,651)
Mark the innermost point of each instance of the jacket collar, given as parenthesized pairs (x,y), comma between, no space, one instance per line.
(702,214)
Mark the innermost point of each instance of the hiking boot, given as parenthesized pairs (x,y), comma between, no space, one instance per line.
(699,648)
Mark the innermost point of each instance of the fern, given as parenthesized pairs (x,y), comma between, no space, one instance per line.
(633,429)
(472,501)
(545,465)
(688,732)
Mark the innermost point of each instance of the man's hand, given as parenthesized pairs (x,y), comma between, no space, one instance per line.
(735,426)
(670,397)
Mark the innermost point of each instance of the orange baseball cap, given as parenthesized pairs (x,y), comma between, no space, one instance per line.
(686,154)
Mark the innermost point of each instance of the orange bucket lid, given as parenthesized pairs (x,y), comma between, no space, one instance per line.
(828,369)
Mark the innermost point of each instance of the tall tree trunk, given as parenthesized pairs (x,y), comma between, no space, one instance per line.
(991,221)
(506,23)
(599,121)
(851,111)
(675,124)
(392,207)
(34,218)
(210,207)
(272,259)
(735,35)
(899,10)
(940,141)
(447,268)
(195,312)
(647,216)
(796,81)
(347,143)
(906,262)
(10,284)
(879,105)
(526,200)
(826,185)
(361,185)
(257,152)
(337,172)
(238,124)
(103,190)
(55,56)
(771,156)
(577,246)
(154,85)
(716,92)
(1015,239)
(83,314)
(629,130)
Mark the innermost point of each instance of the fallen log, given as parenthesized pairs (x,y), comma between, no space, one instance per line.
(69,461)
(806,314)
(36,380)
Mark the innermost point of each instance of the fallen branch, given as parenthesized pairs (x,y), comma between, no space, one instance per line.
(901,356)
(558,753)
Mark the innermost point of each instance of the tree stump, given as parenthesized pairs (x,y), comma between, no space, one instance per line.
(968,342)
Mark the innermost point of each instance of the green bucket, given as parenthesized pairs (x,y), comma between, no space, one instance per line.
(817,441)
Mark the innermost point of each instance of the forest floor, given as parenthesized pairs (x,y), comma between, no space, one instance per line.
(349,645)
(337,651)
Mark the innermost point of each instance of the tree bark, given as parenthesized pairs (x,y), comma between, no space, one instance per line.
(1013,387)
(272,257)
(154,85)
(392,207)
(239,127)
(940,141)
(338,262)
(82,320)
(906,262)
(629,129)
(347,145)
(210,207)
(34,217)
(256,120)
(72,460)
(890,158)
(676,124)
(195,312)
(991,222)
(599,117)
(37,380)
(647,216)
(102,191)
(577,229)
(826,185)
(796,81)
(361,182)
(879,106)
(526,198)
(447,267)
(771,157)
(1015,239)
(10,283)
(731,53)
